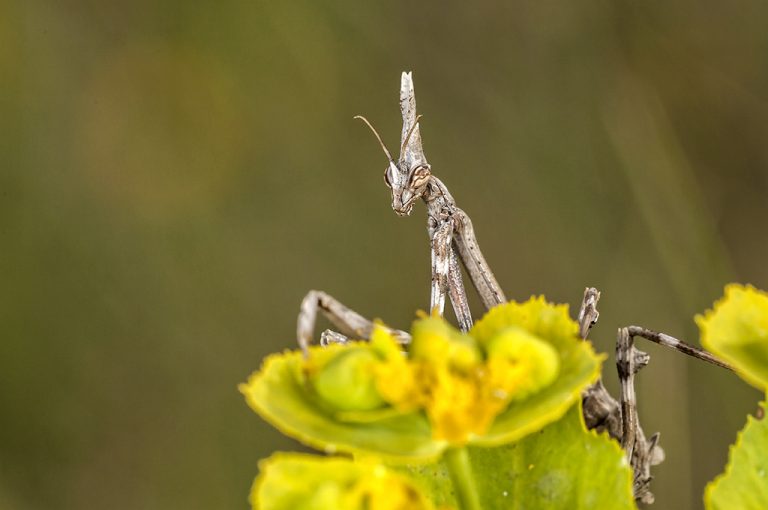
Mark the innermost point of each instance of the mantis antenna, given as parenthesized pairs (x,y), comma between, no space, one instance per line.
(408,135)
(376,134)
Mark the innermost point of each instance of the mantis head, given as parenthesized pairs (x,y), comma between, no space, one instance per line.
(409,175)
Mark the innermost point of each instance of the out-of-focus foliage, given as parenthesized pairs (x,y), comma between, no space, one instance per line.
(175,175)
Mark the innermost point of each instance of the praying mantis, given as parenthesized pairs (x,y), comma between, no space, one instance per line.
(451,237)
(453,242)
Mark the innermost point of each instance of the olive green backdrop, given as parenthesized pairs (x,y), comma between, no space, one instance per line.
(174,176)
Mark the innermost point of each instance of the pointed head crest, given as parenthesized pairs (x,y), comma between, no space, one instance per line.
(409,175)
(411,151)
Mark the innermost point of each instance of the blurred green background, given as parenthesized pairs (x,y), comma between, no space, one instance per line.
(174,176)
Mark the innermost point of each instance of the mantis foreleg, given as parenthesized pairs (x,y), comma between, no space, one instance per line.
(477,268)
(457,293)
(349,323)
(446,275)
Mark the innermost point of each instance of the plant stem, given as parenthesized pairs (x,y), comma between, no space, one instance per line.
(460,469)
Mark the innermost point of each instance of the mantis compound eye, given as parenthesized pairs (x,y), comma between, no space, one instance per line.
(420,176)
(389,175)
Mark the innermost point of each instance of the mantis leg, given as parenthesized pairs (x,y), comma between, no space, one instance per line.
(629,361)
(678,345)
(441,259)
(446,275)
(477,268)
(457,293)
(349,323)
(601,411)
(643,453)
(620,419)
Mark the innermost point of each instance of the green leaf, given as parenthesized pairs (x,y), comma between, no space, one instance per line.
(280,394)
(744,485)
(563,466)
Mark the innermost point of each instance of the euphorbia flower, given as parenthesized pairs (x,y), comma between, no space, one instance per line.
(289,481)
(460,386)
(521,367)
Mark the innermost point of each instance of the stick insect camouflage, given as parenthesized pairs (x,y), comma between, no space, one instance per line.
(452,239)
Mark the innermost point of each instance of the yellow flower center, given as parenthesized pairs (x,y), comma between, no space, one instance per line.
(460,389)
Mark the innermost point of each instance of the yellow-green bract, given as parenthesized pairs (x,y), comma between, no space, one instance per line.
(736,329)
